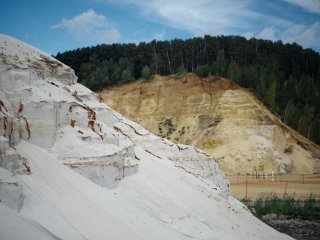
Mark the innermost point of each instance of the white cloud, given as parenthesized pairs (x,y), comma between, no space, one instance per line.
(309,5)
(160,35)
(90,26)
(307,36)
(304,35)
(268,33)
(248,35)
(198,17)
(230,17)
(112,35)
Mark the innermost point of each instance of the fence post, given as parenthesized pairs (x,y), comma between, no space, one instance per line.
(285,189)
(246,189)
(302,178)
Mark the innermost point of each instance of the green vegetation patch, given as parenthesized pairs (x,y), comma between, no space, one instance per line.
(306,209)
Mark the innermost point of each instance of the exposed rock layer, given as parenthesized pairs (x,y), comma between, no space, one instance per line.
(219,117)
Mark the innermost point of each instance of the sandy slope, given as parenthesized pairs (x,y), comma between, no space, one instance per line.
(157,203)
(219,117)
(15,226)
(72,168)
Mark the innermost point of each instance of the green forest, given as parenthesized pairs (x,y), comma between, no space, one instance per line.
(285,77)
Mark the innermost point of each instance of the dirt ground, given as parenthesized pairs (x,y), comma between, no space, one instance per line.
(297,228)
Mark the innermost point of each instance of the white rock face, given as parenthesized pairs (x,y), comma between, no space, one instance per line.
(10,190)
(72,168)
(22,56)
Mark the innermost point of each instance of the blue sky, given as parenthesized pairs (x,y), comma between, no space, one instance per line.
(59,25)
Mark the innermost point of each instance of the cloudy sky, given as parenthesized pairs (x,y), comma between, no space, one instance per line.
(59,25)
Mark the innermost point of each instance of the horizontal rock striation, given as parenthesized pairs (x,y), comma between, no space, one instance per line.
(221,118)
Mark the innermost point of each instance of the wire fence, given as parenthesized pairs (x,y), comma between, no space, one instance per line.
(298,186)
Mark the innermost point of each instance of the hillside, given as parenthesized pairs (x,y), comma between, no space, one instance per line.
(72,168)
(221,118)
(285,77)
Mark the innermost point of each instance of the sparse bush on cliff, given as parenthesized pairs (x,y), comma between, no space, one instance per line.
(203,70)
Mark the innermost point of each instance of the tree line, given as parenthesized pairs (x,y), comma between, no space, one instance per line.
(285,77)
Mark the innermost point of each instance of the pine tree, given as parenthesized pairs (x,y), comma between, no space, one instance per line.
(234,72)
(145,73)
(306,119)
(220,64)
(289,113)
(270,96)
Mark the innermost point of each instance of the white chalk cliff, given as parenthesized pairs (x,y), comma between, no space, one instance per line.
(72,168)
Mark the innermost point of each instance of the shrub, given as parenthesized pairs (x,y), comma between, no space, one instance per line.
(309,207)
(286,206)
(203,70)
(259,207)
(146,73)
